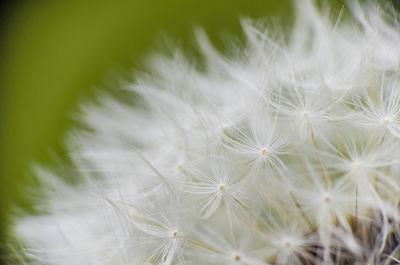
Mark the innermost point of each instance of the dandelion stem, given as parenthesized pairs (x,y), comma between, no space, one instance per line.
(202,245)
(303,214)
(356,205)
(324,174)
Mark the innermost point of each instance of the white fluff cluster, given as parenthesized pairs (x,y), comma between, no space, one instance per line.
(283,152)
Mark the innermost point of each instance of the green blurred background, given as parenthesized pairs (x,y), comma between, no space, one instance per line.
(54,53)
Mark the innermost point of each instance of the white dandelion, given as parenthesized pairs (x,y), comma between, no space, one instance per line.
(285,151)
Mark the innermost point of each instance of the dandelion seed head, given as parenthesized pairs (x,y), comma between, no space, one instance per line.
(386,121)
(305,115)
(283,151)
(264,151)
(287,243)
(358,165)
(327,198)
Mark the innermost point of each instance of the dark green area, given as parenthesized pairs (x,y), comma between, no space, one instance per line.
(53,53)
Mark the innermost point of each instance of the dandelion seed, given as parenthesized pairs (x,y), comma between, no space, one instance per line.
(327,198)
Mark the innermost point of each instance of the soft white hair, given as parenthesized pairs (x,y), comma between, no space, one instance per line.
(283,152)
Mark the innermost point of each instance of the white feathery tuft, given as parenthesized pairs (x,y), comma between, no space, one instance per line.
(284,152)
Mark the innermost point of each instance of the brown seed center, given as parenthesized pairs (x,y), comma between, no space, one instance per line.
(237,257)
